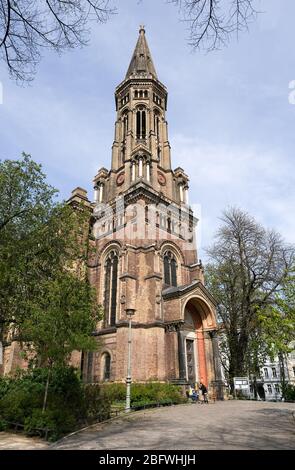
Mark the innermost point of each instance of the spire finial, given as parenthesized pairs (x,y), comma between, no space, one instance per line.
(141,63)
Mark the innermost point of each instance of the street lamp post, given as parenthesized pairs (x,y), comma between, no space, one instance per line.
(129,312)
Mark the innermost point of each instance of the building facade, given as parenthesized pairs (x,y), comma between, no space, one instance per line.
(144,253)
(145,259)
(271,376)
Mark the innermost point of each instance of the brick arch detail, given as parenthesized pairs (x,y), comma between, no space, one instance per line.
(199,314)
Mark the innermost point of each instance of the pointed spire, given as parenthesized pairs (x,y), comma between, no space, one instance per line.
(141,64)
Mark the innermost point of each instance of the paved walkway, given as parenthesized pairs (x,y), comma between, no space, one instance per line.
(223,425)
(14,441)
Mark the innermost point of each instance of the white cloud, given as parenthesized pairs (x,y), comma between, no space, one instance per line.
(259,181)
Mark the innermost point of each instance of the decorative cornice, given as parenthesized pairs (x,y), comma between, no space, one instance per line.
(128,276)
(174,326)
(154,324)
(177,292)
(105,331)
(154,276)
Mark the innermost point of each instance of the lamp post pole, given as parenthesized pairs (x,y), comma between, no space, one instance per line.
(129,312)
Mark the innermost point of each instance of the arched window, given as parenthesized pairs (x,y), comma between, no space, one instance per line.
(170,269)
(106,366)
(141,123)
(173,272)
(159,154)
(157,124)
(125,124)
(146,213)
(110,292)
(167,279)
(123,154)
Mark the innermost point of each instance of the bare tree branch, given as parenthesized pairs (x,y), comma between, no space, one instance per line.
(212,22)
(248,268)
(27,26)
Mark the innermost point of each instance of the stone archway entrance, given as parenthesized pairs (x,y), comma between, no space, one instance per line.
(194,354)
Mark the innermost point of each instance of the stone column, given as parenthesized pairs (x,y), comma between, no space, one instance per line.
(181,192)
(101,192)
(218,382)
(186,195)
(181,356)
(202,362)
(133,171)
(140,168)
(148,172)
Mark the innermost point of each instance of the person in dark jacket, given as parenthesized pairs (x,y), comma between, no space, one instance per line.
(204,391)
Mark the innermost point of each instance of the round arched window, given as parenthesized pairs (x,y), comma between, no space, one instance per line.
(170,269)
(110,291)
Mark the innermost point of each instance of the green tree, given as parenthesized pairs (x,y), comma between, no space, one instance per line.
(62,319)
(278,319)
(278,326)
(27,209)
(248,266)
(45,297)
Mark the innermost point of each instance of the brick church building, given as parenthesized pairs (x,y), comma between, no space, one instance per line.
(143,235)
(145,255)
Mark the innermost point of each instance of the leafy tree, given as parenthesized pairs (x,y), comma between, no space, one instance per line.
(26,207)
(278,326)
(278,319)
(45,297)
(248,266)
(62,318)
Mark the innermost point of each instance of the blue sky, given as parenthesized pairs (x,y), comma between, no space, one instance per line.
(231,126)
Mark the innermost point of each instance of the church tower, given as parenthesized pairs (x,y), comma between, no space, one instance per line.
(142,232)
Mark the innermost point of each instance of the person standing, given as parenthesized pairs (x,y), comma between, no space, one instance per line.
(203,389)
(195,396)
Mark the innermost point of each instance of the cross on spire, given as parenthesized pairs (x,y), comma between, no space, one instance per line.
(141,62)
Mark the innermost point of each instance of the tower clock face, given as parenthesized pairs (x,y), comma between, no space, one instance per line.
(120,179)
(161,179)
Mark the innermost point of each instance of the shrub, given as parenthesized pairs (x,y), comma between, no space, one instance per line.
(3,425)
(4,385)
(98,403)
(289,392)
(39,422)
(115,391)
(69,403)
(145,393)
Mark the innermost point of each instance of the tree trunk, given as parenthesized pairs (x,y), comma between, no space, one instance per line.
(46,389)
